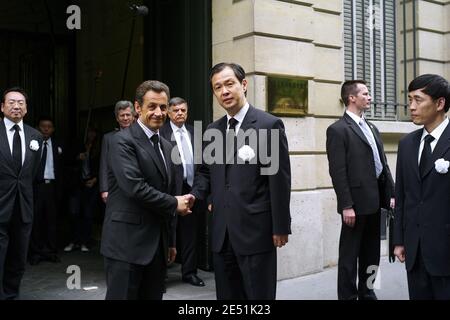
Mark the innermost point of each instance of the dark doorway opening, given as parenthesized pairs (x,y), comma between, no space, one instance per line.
(178,51)
(42,66)
(58,67)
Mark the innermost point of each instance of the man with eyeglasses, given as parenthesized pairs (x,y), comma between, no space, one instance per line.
(19,160)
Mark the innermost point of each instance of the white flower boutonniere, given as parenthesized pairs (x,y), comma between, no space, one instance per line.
(59,150)
(441,166)
(246,153)
(34,145)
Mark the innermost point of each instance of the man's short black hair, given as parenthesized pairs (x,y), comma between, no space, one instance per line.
(237,69)
(45,118)
(433,85)
(15,89)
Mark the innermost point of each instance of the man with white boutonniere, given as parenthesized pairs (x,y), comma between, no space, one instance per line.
(249,190)
(19,161)
(422,216)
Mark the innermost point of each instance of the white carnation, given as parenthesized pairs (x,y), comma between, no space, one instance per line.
(441,166)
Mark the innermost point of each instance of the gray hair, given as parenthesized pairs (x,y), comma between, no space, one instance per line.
(176,101)
(122,105)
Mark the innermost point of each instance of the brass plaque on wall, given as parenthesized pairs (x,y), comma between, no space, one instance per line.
(287,96)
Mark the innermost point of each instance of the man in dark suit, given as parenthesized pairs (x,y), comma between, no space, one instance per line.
(363,184)
(124,113)
(250,193)
(422,215)
(135,239)
(19,160)
(181,135)
(47,194)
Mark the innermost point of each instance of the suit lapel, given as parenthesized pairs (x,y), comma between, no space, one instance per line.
(248,123)
(145,143)
(5,149)
(441,147)
(414,150)
(28,151)
(222,126)
(56,155)
(352,124)
(167,150)
(190,131)
(378,142)
(167,132)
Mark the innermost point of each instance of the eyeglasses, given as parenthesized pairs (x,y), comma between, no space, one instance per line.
(12,103)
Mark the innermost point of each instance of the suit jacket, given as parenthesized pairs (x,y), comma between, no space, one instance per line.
(139,207)
(422,211)
(167,132)
(352,168)
(250,206)
(58,166)
(103,170)
(11,183)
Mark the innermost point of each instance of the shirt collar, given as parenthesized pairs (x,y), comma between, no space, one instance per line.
(9,124)
(437,132)
(149,133)
(49,141)
(355,117)
(176,128)
(240,115)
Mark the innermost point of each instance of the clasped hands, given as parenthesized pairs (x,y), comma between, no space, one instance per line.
(185,204)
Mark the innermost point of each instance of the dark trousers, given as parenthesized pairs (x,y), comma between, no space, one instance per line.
(423,286)
(43,235)
(187,236)
(82,209)
(14,241)
(359,254)
(239,277)
(126,281)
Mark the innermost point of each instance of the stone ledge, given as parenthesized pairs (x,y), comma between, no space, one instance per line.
(395,127)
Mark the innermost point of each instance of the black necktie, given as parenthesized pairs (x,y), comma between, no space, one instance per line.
(232,124)
(43,162)
(155,140)
(231,140)
(17,148)
(426,155)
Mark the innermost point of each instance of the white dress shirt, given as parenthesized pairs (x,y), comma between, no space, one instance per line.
(10,134)
(436,133)
(177,132)
(49,172)
(149,133)
(239,117)
(364,126)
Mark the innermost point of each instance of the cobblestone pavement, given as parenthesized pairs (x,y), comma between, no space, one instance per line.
(48,281)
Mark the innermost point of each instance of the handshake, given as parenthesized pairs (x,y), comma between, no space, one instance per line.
(185,203)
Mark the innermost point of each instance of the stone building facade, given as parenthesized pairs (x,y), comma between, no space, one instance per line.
(306,39)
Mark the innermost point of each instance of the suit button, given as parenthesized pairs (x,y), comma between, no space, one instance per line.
(228,186)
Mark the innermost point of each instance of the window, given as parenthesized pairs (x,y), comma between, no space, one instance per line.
(370,52)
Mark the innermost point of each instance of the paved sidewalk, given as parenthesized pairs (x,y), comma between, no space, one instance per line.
(323,285)
(47,281)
